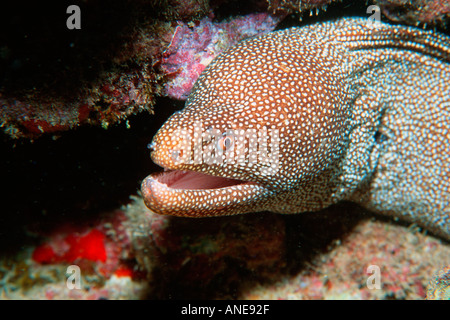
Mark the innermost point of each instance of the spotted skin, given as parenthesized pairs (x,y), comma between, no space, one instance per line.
(362,114)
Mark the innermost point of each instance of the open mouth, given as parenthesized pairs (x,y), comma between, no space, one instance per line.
(193,180)
(196,194)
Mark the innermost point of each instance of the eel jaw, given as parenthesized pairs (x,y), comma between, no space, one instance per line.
(196,194)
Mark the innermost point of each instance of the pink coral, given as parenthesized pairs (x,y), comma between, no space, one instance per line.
(194,45)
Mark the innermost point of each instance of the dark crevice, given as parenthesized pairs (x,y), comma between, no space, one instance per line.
(82,173)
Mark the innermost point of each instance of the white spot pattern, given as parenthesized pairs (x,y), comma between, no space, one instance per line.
(363,115)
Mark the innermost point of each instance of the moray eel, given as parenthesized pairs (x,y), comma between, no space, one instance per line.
(299,119)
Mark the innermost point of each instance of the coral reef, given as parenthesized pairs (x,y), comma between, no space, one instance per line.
(299,6)
(322,255)
(416,12)
(405,259)
(134,254)
(101,249)
(172,10)
(55,79)
(439,287)
(206,252)
(104,81)
(116,99)
(195,44)
(63,194)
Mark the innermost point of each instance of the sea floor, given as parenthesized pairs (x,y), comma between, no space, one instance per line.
(133,253)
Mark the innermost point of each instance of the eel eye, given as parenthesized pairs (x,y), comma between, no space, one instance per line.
(226,142)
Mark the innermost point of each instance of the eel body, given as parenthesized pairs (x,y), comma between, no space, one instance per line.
(302,118)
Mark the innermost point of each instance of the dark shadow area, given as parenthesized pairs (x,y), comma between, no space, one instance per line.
(248,257)
(41,58)
(76,176)
(334,10)
(225,9)
(345,8)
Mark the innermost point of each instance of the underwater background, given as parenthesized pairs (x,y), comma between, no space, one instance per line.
(78,110)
